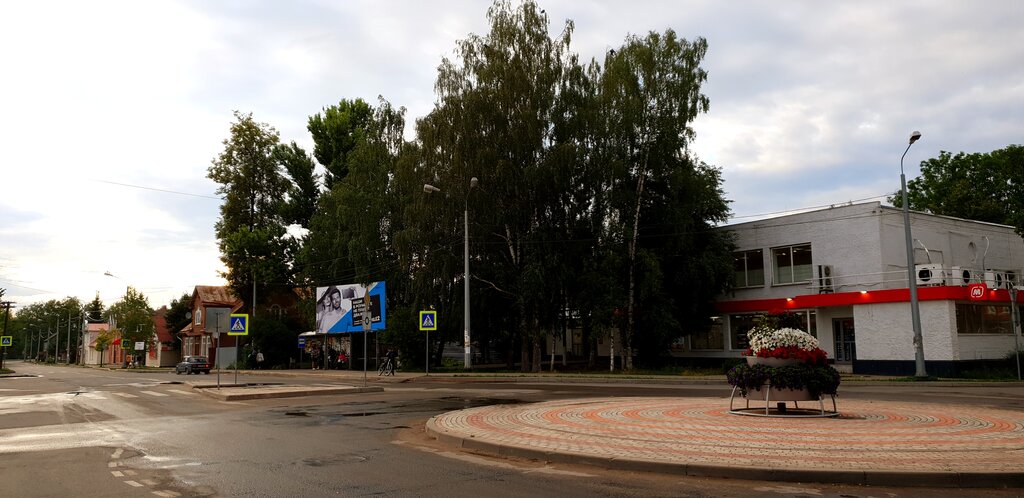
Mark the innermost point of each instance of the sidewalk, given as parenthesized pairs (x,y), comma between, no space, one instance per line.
(870,443)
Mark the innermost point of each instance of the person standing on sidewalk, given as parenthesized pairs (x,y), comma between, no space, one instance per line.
(259,360)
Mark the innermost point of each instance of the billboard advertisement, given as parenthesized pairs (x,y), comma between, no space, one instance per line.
(339,308)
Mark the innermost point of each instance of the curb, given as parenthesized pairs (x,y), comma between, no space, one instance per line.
(936,479)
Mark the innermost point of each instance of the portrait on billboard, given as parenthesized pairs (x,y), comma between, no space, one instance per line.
(339,308)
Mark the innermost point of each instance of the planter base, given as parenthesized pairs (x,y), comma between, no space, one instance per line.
(780,397)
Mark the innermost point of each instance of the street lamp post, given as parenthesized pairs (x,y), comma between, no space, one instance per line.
(467,342)
(915,310)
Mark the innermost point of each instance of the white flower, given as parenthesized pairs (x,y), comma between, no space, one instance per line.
(764,339)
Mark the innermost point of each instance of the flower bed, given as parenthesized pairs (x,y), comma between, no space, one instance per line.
(769,340)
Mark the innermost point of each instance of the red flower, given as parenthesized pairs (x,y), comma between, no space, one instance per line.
(816,356)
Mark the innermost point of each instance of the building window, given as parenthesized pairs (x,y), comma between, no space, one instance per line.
(276,311)
(749,268)
(983,319)
(709,338)
(791,264)
(199,316)
(739,325)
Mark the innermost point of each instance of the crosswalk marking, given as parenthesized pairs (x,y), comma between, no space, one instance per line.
(152,393)
(176,391)
(125,395)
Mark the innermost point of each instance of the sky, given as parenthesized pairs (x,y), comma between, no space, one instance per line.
(111,111)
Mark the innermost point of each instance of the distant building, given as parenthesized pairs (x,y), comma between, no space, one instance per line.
(162,350)
(90,336)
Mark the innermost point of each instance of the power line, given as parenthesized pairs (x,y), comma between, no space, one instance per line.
(166,191)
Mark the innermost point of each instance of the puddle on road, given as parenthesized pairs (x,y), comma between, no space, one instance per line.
(460,403)
(339,414)
(323,462)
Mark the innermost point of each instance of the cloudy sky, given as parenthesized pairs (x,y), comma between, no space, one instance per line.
(110,112)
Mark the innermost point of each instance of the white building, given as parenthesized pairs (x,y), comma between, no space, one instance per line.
(844,268)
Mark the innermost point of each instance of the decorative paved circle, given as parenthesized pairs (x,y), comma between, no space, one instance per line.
(867,436)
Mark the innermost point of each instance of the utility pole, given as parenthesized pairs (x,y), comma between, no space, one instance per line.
(7,313)
(67,345)
(1014,323)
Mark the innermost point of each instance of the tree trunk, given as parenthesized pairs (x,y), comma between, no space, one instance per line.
(524,361)
(611,351)
(536,353)
(627,339)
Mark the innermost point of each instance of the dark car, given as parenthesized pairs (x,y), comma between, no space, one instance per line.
(193,364)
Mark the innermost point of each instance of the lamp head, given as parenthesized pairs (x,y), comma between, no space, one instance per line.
(430,189)
(473,182)
(914,136)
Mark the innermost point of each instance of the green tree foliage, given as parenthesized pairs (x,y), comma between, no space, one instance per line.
(351,237)
(94,310)
(304,189)
(335,133)
(664,201)
(133,317)
(495,121)
(589,207)
(979,186)
(252,234)
(39,325)
(179,313)
(589,200)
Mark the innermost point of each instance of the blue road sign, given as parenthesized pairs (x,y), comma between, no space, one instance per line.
(302,343)
(7,340)
(239,324)
(428,320)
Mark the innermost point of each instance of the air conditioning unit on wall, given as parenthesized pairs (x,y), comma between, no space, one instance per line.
(961,276)
(995,279)
(930,274)
(1013,278)
(825,283)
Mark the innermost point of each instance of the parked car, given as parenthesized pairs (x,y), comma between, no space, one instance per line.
(193,364)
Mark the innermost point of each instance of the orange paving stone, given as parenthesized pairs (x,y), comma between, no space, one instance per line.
(868,436)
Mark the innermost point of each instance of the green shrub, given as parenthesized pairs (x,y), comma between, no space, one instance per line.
(817,379)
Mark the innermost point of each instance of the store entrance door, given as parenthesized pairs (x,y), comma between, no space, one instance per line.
(846,348)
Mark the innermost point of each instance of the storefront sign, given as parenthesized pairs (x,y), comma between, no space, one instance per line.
(976,292)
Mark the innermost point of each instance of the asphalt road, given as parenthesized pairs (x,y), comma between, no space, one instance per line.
(89,432)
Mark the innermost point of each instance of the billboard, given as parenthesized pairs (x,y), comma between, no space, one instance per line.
(339,308)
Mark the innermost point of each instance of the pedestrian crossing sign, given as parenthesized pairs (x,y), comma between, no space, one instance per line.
(6,340)
(239,324)
(428,320)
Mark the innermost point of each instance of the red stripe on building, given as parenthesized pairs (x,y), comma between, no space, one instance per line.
(939,293)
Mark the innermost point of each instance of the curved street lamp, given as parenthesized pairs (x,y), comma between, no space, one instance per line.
(467,343)
(915,310)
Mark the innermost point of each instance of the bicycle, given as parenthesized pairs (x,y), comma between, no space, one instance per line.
(387,367)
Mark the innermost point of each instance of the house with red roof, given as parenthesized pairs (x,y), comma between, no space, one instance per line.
(211,308)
